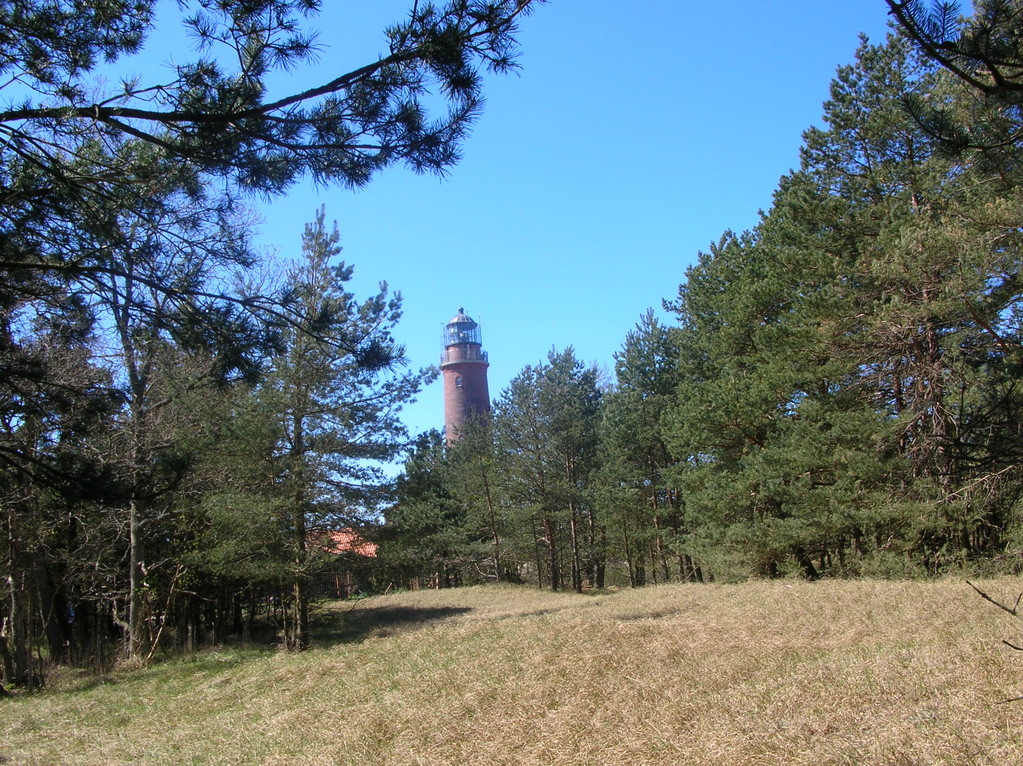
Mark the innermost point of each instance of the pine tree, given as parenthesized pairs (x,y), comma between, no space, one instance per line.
(546,431)
(429,537)
(474,478)
(646,507)
(336,392)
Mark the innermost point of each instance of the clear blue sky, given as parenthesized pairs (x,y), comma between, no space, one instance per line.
(633,136)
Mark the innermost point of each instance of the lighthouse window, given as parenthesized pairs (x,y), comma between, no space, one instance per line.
(458,382)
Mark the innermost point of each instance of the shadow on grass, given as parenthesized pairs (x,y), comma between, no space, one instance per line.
(357,623)
(656,614)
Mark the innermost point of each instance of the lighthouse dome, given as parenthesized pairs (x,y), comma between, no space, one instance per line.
(462,318)
(461,329)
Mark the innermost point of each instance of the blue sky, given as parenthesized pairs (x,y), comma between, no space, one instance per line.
(632,137)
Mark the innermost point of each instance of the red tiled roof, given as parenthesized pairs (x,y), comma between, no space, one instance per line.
(347,541)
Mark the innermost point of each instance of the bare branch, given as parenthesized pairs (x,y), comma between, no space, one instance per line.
(1011,610)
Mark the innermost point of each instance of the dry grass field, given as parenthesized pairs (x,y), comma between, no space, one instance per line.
(781,672)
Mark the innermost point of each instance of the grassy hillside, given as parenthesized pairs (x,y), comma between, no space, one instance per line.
(780,672)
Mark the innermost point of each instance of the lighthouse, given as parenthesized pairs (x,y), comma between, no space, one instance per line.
(464,366)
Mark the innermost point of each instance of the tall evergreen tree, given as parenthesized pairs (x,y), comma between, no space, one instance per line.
(546,427)
(336,392)
(474,478)
(646,507)
(429,537)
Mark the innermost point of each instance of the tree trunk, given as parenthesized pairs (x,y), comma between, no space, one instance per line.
(136,583)
(537,554)
(492,515)
(577,575)
(689,570)
(5,653)
(661,557)
(627,546)
(809,570)
(548,529)
(300,587)
(53,609)
(300,638)
(18,625)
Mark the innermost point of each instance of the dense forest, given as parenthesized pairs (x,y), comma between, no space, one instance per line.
(183,426)
(183,421)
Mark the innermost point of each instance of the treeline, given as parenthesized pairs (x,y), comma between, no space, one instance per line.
(840,389)
(182,418)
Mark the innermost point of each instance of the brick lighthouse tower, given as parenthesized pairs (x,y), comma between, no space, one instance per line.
(464,365)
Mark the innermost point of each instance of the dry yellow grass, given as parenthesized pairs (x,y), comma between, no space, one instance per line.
(781,672)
